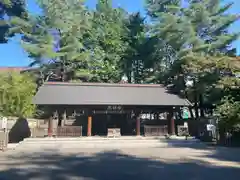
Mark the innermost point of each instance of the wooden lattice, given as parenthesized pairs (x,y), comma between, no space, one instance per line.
(155,130)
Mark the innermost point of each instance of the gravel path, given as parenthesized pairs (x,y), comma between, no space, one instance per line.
(180,163)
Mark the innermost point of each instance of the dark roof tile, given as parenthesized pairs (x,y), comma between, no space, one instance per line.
(55,93)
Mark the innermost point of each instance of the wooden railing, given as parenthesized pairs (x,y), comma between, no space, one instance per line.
(69,131)
(66,131)
(155,130)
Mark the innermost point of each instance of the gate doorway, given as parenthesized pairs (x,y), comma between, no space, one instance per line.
(101,123)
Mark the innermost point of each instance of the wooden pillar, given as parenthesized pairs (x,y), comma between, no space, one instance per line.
(89,128)
(138,126)
(172,126)
(171,123)
(50,127)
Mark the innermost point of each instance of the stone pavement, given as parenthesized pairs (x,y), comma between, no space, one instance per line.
(168,163)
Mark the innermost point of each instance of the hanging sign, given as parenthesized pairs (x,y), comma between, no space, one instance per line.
(110,110)
(114,109)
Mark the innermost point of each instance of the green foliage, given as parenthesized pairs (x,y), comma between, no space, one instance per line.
(10,8)
(154,7)
(135,55)
(16,94)
(193,41)
(55,40)
(106,41)
(90,44)
(229,114)
(213,76)
(193,29)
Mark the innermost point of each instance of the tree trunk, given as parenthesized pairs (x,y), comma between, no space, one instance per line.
(196,110)
(195,100)
(129,76)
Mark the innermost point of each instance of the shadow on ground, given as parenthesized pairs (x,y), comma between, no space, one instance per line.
(217,152)
(109,165)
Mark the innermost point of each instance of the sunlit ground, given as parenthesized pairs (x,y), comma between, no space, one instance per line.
(181,163)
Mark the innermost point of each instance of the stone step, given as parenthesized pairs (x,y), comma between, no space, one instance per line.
(101,142)
(90,142)
(94,138)
(93,145)
(99,145)
(119,139)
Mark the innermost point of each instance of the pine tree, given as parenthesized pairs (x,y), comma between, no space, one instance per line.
(71,43)
(55,40)
(197,30)
(154,7)
(9,8)
(133,59)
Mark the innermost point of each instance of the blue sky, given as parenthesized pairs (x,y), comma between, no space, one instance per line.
(13,55)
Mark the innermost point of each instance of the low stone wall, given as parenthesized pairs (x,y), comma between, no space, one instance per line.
(3,140)
(11,122)
(20,128)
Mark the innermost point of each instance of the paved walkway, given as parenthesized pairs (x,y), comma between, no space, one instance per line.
(180,163)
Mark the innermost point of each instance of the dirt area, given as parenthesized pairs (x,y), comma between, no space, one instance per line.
(180,163)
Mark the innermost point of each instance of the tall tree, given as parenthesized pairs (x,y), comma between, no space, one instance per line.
(133,59)
(55,40)
(197,29)
(107,41)
(70,42)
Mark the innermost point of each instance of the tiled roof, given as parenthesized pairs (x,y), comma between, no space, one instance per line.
(55,93)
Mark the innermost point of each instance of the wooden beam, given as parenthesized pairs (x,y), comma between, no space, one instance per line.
(172,126)
(89,129)
(171,123)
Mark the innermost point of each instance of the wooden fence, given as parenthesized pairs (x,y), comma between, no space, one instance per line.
(66,131)
(69,131)
(155,130)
